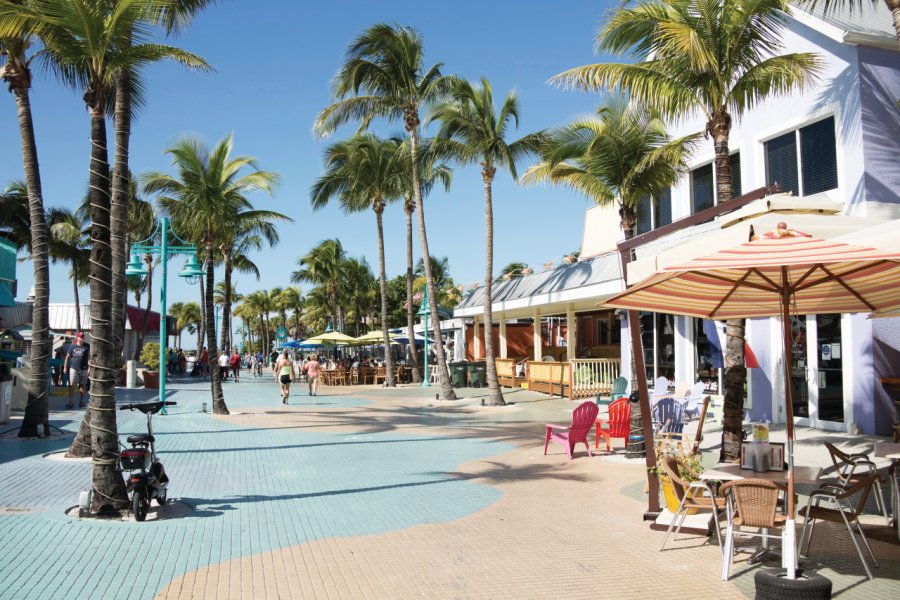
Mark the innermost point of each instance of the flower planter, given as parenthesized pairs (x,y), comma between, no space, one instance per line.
(151,380)
(672,502)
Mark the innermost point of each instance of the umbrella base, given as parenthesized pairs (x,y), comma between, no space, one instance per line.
(773,584)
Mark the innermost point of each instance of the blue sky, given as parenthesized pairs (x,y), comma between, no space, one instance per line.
(273,63)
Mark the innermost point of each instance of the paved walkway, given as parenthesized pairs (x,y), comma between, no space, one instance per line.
(366,493)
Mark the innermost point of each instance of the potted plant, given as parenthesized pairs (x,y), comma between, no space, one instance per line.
(689,469)
(150,358)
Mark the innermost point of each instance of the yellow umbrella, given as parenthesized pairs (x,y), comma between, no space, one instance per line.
(332,338)
(375,337)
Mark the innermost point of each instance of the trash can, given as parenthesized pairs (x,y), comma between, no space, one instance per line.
(458,374)
(477,374)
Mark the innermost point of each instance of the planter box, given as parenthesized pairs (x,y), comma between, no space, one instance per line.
(151,380)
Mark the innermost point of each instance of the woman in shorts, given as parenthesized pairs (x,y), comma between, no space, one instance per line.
(312,375)
(284,375)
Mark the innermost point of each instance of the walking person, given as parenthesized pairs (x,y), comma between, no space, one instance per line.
(223,364)
(203,361)
(236,365)
(76,365)
(312,375)
(284,375)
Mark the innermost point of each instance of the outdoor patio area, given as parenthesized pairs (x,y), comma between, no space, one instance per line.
(375,493)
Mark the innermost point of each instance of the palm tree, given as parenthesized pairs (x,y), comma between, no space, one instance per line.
(86,42)
(717,58)
(189,318)
(621,155)
(361,290)
(322,266)
(291,299)
(203,199)
(432,171)
(261,303)
(514,269)
(473,131)
(70,243)
(15,70)
(248,230)
(15,218)
(385,76)
(172,14)
(362,173)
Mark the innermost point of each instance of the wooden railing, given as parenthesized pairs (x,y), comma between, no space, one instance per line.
(554,378)
(592,376)
(506,371)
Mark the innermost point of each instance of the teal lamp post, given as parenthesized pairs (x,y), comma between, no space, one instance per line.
(424,312)
(191,273)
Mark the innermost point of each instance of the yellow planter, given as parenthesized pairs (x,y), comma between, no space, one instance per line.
(672,501)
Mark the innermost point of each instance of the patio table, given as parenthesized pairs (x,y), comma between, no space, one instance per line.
(733,471)
(892,452)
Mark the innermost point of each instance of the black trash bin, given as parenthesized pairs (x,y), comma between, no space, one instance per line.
(477,374)
(458,374)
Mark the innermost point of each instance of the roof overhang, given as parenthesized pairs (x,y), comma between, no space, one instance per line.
(581,299)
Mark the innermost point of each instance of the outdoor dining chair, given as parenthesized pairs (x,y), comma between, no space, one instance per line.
(852,468)
(833,503)
(691,496)
(618,423)
(618,390)
(694,400)
(750,503)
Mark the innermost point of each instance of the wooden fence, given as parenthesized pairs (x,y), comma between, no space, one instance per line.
(552,378)
(592,376)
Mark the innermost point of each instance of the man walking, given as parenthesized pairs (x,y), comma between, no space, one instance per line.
(76,365)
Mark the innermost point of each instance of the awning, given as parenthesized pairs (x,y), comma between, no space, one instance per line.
(6,295)
(136,320)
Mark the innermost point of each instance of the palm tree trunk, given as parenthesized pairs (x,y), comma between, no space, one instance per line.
(410,318)
(201,326)
(218,399)
(77,303)
(226,305)
(382,286)
(109,486)
(490,366)
(37,408)
(447,393)
(719,128)
(119,210)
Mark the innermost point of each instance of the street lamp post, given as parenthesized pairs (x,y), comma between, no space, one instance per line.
(191,273)
(424,311)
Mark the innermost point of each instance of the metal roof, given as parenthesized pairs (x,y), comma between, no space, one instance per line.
(863,23)
(17,315)
(598,269)
(62,317)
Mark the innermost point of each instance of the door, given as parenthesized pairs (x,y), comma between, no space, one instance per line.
(817,371)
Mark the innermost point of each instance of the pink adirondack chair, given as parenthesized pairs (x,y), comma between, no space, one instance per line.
(618,423)
(583,418)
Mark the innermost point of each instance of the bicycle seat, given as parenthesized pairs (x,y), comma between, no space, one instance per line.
(145,438)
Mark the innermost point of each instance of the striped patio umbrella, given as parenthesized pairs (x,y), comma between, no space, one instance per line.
(783,273)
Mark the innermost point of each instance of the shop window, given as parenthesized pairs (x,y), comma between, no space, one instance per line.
(814,170)
(702,196)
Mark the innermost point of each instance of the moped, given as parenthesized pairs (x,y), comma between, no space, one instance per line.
(147,479)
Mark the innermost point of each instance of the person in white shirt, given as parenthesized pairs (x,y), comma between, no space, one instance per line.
(223,364)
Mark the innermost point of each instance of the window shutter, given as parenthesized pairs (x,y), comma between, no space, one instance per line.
(644,224)
(818,157)
(702,188)
(781,163)
(736,175)
(663,208)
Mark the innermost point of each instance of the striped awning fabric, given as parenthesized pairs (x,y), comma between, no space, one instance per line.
(746,281)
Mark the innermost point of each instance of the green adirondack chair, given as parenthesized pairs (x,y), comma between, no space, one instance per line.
(618,390)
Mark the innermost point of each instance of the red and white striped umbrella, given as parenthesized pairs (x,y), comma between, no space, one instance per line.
(781,274)
(749,280)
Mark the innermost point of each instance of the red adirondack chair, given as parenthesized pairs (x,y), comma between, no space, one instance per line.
(583,417)
(619,423)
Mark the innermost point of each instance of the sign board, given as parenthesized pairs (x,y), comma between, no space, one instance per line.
(281,333)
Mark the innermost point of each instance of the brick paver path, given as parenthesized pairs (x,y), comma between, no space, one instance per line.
(366,493)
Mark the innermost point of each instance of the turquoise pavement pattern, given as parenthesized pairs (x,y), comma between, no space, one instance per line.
(252,489)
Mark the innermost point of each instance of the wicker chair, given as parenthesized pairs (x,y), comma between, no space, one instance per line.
(750,503)
(838,509)
(853,468)
(690,496)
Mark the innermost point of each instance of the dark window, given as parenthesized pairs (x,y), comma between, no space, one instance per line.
(736,174)
(818,157)
(781,162)
(644,223)
(702,188)
(662,209)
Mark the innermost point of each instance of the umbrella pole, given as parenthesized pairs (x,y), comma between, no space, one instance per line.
(789,546)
